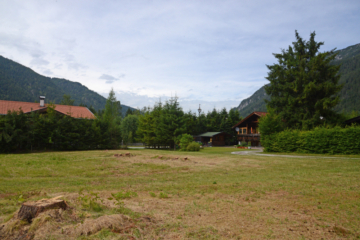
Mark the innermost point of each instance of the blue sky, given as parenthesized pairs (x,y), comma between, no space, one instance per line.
(212,53)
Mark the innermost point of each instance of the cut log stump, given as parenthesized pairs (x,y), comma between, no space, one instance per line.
(30,210)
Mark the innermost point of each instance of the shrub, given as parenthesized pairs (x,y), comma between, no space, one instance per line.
(185,140)
(244,144)
(319,140)
(194,146)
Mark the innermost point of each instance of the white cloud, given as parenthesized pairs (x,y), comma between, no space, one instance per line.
(47,72)
(204,51)
(140,101)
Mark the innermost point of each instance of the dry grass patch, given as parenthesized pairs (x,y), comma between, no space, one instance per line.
(210,195)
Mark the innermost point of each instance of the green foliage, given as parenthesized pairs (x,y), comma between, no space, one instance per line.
(244,144)
(185,140)
(152,194)
(129,127)
(194,146)
(320,140)
(52,131)
(304,85)
(349,61)
(162,125)
(112,117)
(165,123)
(270,123)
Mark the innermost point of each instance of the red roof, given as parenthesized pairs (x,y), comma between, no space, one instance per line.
(27,107)
(260,114)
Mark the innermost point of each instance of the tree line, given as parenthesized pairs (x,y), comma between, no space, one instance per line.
(164,123)
(160,125)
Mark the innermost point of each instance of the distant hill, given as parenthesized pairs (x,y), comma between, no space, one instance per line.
(349,58)
(20,83)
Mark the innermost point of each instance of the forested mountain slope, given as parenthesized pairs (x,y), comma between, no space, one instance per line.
(20,83)
(349,58)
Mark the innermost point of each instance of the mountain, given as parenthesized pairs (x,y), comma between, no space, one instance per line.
(349,58)
(254,103)
(20,83)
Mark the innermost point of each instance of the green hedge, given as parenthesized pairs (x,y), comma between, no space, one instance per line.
(335,140)
(21,132)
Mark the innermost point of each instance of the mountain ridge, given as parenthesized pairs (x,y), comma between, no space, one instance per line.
(21,83)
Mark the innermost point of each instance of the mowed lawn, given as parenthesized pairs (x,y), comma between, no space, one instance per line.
(210,195)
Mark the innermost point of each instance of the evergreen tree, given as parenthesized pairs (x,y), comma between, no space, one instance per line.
(202,124)
(190,122)
(128,128)
(112,118)
(145,130)
(129,112)
(171,122)
(67,100)
(304,85)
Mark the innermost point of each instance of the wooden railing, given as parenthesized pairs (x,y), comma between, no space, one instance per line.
(249,137)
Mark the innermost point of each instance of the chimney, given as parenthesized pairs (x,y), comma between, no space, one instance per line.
(42,101)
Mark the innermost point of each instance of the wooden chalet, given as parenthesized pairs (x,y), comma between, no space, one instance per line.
(212,138)
(247,129)
(29,107)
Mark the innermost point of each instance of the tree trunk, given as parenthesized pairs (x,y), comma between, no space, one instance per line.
(30,210)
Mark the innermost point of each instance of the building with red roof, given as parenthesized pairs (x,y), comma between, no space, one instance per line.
(29,107)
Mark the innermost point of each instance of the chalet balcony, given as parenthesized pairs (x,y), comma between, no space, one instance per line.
(252,137)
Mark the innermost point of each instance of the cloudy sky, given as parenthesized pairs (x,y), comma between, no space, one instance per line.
(212,53)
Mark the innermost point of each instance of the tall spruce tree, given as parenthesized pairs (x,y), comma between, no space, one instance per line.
(304,85)
(112,118)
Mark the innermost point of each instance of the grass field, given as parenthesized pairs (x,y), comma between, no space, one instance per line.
(157,194)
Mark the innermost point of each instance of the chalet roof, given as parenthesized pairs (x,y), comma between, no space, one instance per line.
(259,114)
(211,134)
(27,107)
(353,120)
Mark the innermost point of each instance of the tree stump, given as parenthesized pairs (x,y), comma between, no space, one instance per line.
(30,210)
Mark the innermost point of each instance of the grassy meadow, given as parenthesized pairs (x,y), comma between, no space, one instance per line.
(162,194)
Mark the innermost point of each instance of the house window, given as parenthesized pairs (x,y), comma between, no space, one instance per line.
(243,130)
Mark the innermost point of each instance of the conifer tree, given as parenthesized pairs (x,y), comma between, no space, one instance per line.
(304,85)
(112,118)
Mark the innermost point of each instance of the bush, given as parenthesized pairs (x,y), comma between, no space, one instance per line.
(185,140)
(270,123)
(194,146)
(320,140)
(244,144)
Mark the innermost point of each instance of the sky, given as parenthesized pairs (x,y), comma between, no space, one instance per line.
(212,53)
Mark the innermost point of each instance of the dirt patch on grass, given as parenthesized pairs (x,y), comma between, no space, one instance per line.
(178,160)
(275,215)
(251,215)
